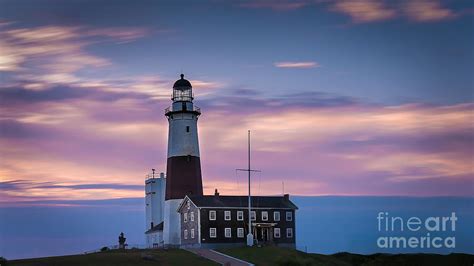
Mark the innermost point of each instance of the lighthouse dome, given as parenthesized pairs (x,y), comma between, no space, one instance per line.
(182,83)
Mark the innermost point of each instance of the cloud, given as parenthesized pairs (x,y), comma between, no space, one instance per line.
(303,64)
(367,11)
(61,49)
(363,11)
(279,5)
(427,11)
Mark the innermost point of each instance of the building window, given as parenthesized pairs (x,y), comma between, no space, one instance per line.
(276,232)
(289,216)
(240,215)
(192,217)
(276,216)
(212,215)
(185,233)
(227,215)
(264,216)
(192,233)
(253,216)
(289,232)
(187,128)
(212,232)
(240,232)
(185,217)
(228,232)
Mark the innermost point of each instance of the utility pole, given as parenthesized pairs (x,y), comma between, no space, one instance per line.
(249,235)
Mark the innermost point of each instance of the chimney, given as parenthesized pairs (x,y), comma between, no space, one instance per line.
(216,193)
(286,196)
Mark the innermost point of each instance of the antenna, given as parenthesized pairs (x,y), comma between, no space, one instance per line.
(249,235)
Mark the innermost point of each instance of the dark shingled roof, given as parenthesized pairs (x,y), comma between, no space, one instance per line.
(242,201)
(182,83)
(158,227)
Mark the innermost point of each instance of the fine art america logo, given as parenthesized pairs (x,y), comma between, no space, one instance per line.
(416,232)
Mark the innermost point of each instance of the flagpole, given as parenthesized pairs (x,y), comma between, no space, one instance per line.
(249,236)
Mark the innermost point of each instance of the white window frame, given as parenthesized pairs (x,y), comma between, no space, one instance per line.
(240,215)
(185,215)
(210,215)
(185,233)
(192,217)
(276,232)
(276,217)
(228,229)
(289,216)
(264,216)
(289,232)
(188,205)
(253,215)
(227,215)
(212,232)
(240,232)
(192,233)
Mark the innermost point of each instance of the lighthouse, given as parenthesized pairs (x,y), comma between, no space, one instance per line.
(183,168)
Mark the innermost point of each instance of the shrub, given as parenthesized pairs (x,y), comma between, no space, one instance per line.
(104,249)
(3,261)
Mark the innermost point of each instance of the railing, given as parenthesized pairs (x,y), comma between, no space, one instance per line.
(170,109)
(155,175)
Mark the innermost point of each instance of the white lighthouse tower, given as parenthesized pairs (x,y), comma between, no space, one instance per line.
(183,169)
(155,189)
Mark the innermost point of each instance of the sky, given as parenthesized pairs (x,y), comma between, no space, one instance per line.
(342,97)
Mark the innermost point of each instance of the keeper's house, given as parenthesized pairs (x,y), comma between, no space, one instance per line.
(222,221)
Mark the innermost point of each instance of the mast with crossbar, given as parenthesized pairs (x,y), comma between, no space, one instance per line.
(249,235)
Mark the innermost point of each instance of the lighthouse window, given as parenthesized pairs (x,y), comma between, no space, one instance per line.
(187,128)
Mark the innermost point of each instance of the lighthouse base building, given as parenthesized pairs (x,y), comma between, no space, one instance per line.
(177,212)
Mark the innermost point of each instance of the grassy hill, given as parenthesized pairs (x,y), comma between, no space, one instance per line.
(259,256)
(278,256)
(138,257)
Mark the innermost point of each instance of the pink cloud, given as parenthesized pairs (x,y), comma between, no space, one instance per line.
(344,148)
(363,11)
(61,49)
(302,64)
(427,11)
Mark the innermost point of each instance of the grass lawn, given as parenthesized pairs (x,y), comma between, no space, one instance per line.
(121,258)
(280,256)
